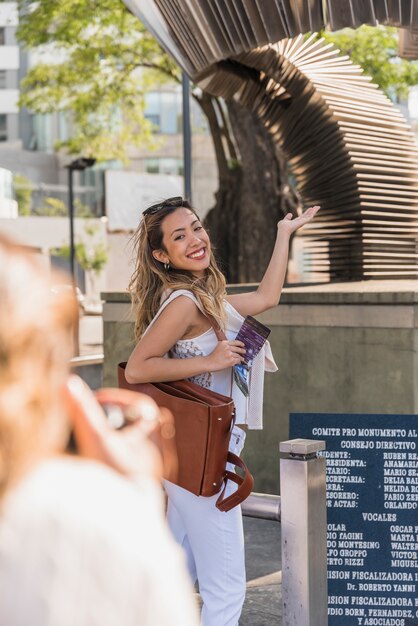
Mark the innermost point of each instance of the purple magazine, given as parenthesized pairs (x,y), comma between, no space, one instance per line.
(253,334)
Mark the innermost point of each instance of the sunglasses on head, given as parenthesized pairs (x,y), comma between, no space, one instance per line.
(176,201)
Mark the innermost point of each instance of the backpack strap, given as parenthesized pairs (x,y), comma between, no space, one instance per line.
(220,335)
(245,485)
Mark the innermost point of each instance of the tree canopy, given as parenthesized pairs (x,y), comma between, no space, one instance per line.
(95,61)
(375,49)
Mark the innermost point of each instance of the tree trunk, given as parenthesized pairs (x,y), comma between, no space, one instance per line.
(253,195)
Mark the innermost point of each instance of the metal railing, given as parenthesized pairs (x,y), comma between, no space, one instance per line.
(262,506)
(88,359)
(301,510)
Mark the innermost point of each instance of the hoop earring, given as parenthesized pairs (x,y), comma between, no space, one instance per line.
(166,266)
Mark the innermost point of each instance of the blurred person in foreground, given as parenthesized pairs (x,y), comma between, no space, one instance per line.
(83,540)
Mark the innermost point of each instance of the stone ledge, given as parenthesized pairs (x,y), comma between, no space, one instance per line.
(364,292)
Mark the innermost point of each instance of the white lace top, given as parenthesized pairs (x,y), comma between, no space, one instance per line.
(248,410)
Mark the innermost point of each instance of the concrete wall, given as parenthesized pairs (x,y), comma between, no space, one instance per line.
(120,265)
(39,167)
(204,167)
(52,232)
(49,232)
(342,348)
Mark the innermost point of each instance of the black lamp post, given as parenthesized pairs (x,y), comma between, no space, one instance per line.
(187,138)
(79,165)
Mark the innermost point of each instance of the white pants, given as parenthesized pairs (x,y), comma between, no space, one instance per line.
(214,546)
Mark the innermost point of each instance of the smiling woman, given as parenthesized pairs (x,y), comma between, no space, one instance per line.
(175,287)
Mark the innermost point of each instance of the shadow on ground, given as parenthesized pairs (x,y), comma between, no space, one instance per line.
(263,556)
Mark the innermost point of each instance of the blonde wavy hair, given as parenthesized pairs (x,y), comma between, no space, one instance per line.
(35,348)
(150,279)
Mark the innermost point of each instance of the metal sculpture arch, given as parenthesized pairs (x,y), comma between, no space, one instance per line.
(349,147)
(199,33)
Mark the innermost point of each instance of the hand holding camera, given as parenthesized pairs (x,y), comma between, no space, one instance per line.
(123,429)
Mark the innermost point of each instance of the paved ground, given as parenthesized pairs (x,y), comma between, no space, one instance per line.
(263,602)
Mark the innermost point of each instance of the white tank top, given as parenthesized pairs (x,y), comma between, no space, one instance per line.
(203,345)
(248,410)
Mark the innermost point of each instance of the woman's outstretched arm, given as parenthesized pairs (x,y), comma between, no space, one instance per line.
(268,293)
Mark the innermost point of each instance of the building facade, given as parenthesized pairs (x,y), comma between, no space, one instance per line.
(9,75)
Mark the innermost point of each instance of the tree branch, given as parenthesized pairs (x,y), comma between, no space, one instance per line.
(206,103)
(226,131)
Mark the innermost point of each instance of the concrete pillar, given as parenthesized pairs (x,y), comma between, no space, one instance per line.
(304,533)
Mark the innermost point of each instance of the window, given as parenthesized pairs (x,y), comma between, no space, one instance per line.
(2,36)
(170,107)
(6,184)
(152,110)
(63,126)
(154,119)
(3,77)
(42,130)
(170,166)
(3,127)
(163,109)
(152,166)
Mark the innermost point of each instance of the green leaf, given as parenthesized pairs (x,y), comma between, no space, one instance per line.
(375,49)
(90,253)
(96,62)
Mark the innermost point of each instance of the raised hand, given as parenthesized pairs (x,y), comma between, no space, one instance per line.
(291,224)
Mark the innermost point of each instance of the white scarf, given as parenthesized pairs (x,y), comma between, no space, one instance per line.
(263,362)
